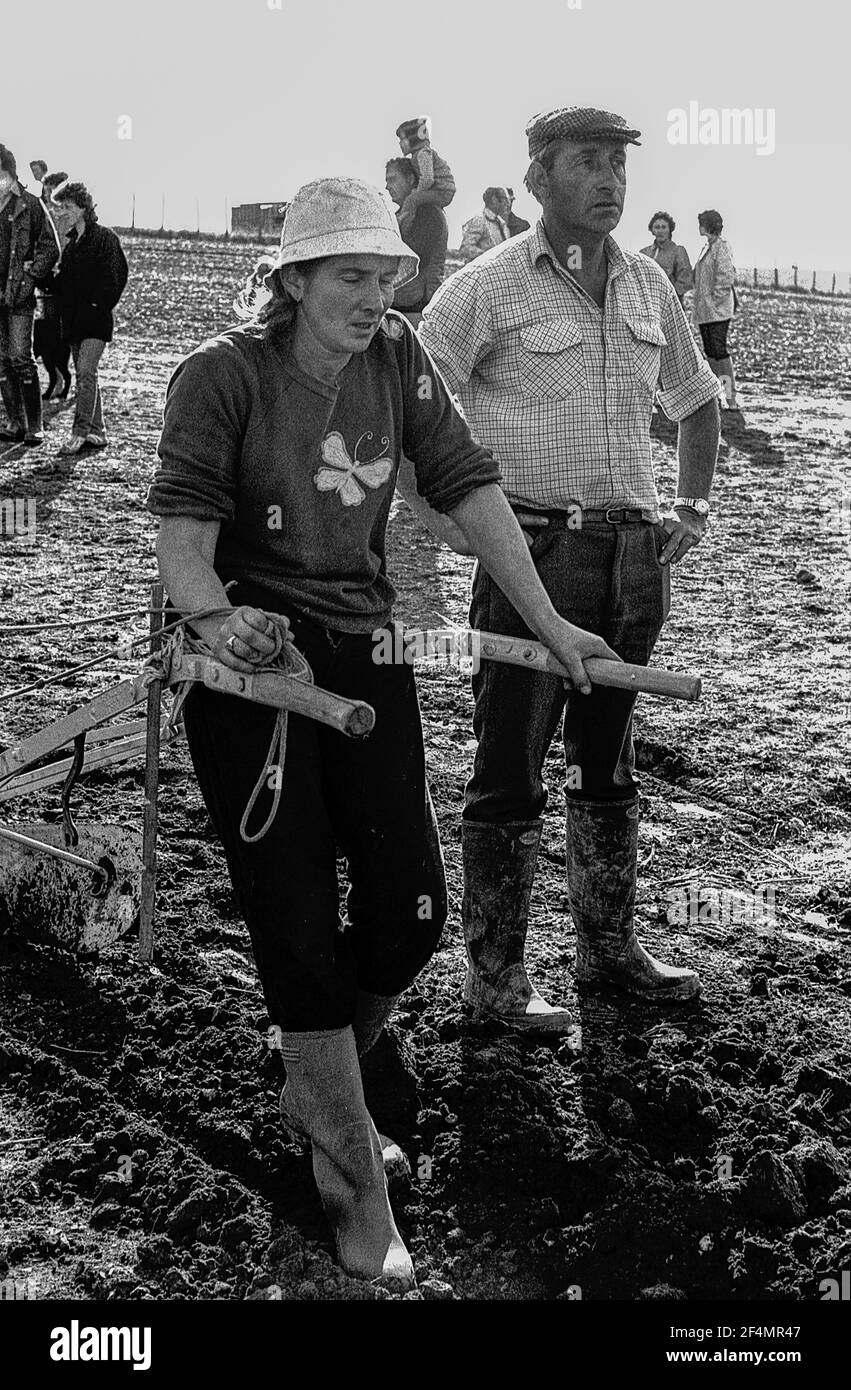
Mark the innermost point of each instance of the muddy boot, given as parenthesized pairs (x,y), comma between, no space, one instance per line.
(602,857)
(31,393)
(323,1097)
(499,870)
(16,430)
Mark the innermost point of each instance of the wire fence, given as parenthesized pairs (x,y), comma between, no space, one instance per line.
(794,279)
(797,279)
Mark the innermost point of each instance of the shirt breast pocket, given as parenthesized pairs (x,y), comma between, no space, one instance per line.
(646,343)
(552,364)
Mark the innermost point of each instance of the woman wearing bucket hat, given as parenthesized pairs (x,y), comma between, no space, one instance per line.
(278,457)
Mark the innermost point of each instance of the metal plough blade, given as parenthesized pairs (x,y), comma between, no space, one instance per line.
(81,910)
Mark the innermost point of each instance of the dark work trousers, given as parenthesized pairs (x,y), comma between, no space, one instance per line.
(608,579)
(364,798)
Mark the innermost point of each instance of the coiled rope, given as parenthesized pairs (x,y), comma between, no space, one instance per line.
(285,658)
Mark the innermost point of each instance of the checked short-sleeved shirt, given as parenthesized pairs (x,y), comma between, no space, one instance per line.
(560,390)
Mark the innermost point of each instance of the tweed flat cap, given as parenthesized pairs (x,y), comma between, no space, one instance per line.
(577,123)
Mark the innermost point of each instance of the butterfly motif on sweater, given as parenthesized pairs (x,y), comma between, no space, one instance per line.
(344,474)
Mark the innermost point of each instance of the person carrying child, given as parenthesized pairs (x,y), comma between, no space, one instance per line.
(436,182)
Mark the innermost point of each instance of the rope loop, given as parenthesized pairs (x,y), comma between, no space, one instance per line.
(286,658)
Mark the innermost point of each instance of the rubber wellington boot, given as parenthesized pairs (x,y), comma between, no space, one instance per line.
(602,858)
(371,1013)
(31,393)
(323,1097)
(499,870)
(13,402)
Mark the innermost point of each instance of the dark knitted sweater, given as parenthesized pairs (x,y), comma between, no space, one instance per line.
(301,474)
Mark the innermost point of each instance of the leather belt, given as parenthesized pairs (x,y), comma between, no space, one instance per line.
(576,517)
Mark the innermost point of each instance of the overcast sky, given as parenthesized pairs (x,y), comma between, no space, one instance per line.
(241,100)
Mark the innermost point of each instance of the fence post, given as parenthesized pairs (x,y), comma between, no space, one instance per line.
(833,284)
(754,277)
(776,278)
(795,276)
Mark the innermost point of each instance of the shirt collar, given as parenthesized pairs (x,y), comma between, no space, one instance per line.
(539,245)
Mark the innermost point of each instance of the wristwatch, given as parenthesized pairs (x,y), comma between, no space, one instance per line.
(695,504)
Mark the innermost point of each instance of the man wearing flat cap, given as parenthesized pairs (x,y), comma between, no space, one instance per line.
(555,342)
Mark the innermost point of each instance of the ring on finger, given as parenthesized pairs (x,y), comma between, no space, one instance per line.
(229,643)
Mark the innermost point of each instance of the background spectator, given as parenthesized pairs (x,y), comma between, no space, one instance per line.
(715,300)
(90,283)
(38,169)
(28,252)
(62,218)
(516,224)
(435,181)
(489,227)
(48,333)
(664,251)
(427,235)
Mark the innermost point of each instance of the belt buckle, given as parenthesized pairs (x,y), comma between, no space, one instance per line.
(612,512)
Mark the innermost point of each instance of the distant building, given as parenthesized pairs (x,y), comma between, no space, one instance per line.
(258,219)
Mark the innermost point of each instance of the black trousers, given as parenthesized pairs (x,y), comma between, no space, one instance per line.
(714,338)
(364,799)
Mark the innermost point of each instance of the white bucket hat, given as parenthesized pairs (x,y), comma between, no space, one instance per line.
(343,217)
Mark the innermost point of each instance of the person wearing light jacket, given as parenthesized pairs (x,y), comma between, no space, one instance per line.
(715,300)
(490,227)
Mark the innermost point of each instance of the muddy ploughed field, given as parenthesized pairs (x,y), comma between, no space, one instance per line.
(703,1152)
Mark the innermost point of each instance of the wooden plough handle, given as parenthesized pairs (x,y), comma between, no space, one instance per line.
(274,688)
(621,675)
(280,691)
